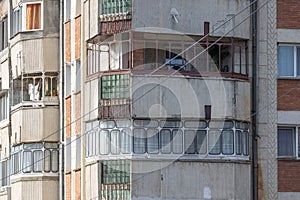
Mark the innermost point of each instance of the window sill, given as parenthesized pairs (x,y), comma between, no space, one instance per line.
(288,159)
(288,78)
(32,176)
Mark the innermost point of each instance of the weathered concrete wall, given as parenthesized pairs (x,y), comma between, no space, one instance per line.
(43,57)
(267,92)
(288,195)
(35,124)
(4,70)
(191,15)
(91,100)
(35,188)
(190,180)
(187,96)
(92,179)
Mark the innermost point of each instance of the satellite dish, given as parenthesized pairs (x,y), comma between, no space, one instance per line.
(174,14)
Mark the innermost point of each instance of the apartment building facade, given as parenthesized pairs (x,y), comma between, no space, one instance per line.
(136,99)
(29,99)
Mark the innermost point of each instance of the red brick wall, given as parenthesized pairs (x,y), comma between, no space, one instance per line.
(288,93)
(288,176)
(77,113)
(288,14)
(68,42)
(68,186)
(68,117)
(77,185)
(77,36)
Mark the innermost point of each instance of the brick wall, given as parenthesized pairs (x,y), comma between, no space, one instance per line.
(68,186)
(77,37)
(288,176)
(288,14)
(77,113)
(77,185)
(68,117)
(68,42)
(288,93)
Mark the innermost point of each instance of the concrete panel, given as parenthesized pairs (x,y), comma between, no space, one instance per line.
(288,195)
(94,18)
(3,7)
(51,17)
(86,19)
(32,124)
(192,180)
(288,117)
(94,99)
(92,181)
(191,16)
(186,97)
(4,75)
(5,148)
(51,54)
(35,188)
(288,35)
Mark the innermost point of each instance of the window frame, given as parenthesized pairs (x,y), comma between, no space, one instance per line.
(295,47)
(22,16)
(3,33)
(296,142)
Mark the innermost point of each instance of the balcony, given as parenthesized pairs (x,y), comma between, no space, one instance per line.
(145,53)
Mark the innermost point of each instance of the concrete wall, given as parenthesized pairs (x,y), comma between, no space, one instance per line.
(43,57)
(29,188)
(91,18)
(35,124)
(91,100)
(4,70)
(192,15)
(3,7)
(288,195)
(92,179)
(190,180)
(186,97)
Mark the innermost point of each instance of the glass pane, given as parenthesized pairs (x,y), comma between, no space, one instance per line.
(171,124)
(201,142)
(285,61)
(123,123)
(150,55)
(47,161)
(227,142)
(226,59)
(214,142)
(245,143)
(189,141)
(104,142)
(213,58)
(107,124)
(37,161)
(286,142)
(195,124)
(221,124)
(139,142)
(238,142)
(51,145)
(152,141)
(54,161)
(27,161)
(165,136)
(126,141)
(177,141)
(115,142)
(145,123)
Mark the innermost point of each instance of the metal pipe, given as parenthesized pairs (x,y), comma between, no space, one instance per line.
(254,100)
(61,101)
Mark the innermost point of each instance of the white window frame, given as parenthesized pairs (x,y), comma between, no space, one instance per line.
(295,46)
(296,132)
(22,18)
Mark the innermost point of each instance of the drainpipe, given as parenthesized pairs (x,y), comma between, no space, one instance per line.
(61,101)
(254,101)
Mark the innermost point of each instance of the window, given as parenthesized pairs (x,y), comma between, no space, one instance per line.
(109,55)
(115,86)
(35,158)
(116,7)
(35,88)
(68,86)
(288,61)
(4,173)
(288,142)
(3,33)
(115,173)
(3,105)
(26,17)
(229,138)
(78,75)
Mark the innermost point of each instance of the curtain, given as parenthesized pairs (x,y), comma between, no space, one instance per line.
(152,140)
(201,142)
(227,142)
(177,141)
(285,60)
(139,141)
(37,161)
(286,142)
(33,16)
(214,141)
